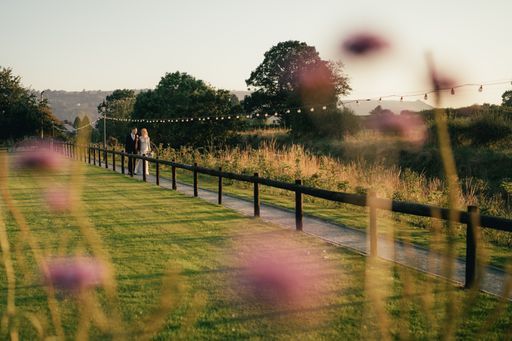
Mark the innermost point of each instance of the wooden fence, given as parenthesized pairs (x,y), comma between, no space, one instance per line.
(471,218)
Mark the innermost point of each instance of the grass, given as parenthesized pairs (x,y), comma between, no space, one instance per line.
(403,227)
(147,231)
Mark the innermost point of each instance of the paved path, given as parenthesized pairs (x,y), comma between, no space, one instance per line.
(411,255)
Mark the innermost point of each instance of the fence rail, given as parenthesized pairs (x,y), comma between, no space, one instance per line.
(471,218)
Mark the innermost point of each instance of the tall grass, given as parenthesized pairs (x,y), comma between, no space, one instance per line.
(287,163)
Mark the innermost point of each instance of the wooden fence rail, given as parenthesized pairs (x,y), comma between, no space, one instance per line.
(471,218)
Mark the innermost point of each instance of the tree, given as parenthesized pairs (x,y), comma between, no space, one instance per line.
(292,75)
(507,98)
(179,95)
(117,105)
(77,123)
(21,114)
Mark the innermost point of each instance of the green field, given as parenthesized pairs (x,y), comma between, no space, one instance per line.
(147,231)
(404,227)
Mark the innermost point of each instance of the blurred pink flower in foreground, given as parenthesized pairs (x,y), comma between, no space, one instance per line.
(57,199)
(39,157)
(72,274)
(275,278)
(410,127)
(364,43)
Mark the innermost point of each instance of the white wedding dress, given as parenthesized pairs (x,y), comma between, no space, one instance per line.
(145,148)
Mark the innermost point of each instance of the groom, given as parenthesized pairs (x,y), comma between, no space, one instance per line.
(131,146)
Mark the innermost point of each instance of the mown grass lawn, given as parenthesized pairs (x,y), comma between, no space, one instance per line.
(406,228)
(148,230)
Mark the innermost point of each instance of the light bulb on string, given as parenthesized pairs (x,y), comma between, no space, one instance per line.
(324,108)
(357,101)
(425,97)
(380,99)
(237,116)
(312,109)
(452,91)
(275,114)
(299,111)
(481,88)
(401,98)
(288,111)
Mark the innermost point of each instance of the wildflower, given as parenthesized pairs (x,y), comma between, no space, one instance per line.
(58,200)
(410,127)
(364,43)
(73,274)
(39,157)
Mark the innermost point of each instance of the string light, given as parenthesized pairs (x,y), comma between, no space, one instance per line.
(289,110)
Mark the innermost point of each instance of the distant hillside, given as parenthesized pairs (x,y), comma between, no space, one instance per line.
(67,105)
(363,108)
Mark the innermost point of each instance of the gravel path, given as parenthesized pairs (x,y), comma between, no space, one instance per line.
(411,255)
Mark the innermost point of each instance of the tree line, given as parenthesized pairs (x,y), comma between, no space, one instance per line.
(291,75)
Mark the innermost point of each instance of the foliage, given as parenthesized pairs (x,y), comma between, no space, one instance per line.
(292,75)
(179,95)
(507,98)
(77,122)
(117,105)
(21,114)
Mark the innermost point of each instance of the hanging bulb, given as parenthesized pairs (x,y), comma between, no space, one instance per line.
(312,109)
(357,101)
(481,88)
(452,91)
(299,111)
(288,111)
(380,99)
(275,114)
(425,97)
(401,98)
(248,116)
(324,108)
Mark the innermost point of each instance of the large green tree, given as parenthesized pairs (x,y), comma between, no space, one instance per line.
(22,113)
(507,98)
(292,75)
(118,105)
(179,95)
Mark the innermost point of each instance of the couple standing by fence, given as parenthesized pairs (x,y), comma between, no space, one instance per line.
(141,145)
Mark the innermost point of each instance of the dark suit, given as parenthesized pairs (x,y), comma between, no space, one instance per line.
(131,146)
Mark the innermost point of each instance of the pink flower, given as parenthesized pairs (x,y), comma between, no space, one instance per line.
(39,157)
(274,277)
(58,200)
(410,127)
(364,43)
(73,274)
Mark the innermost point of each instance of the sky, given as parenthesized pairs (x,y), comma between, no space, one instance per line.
(109,44)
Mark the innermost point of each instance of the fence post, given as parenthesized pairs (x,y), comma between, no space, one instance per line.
(219,201)
(114,159)
(99,156)
(89,153)
(106,157)
(122,162)
(173,174)
(157,166)
(94,155)
(370,201)
(471,246)
(256,196)
(298,207)
(195,179)
(144,168)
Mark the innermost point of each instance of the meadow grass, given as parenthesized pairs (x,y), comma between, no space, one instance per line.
(147,231)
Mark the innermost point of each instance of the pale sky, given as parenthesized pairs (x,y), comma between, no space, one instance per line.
(109,44)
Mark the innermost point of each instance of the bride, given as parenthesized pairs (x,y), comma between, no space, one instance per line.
(144,149)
